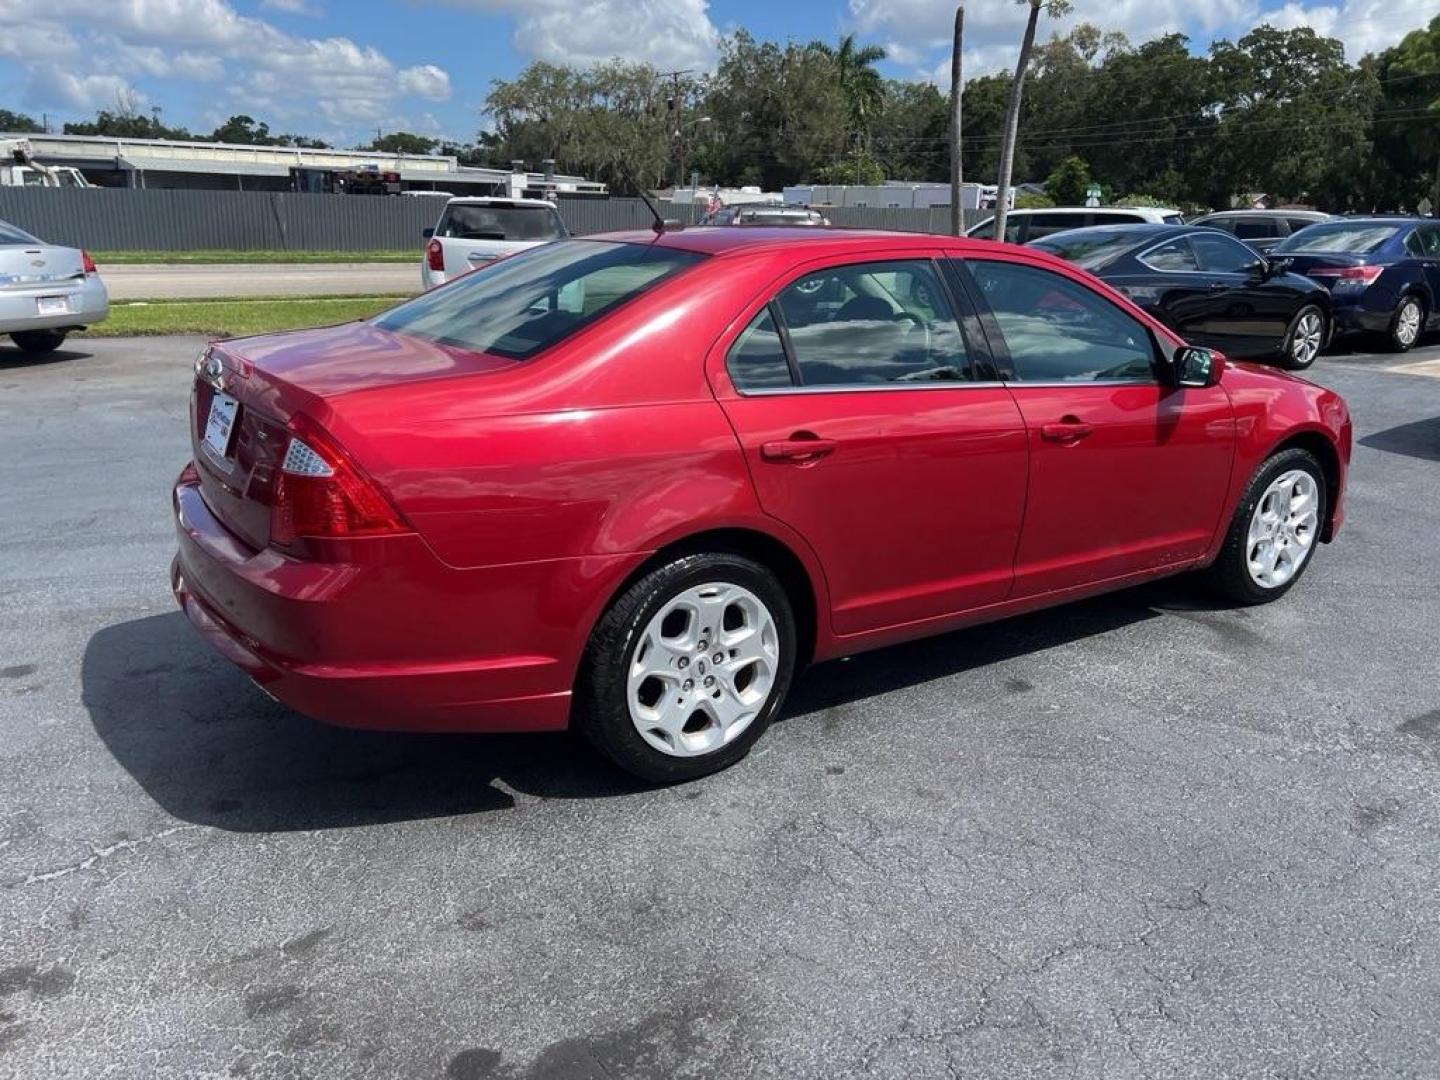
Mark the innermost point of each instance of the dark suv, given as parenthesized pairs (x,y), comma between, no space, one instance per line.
(1383,273)
(1261,229)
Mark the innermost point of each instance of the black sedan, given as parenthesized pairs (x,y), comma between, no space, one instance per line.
(1212,289)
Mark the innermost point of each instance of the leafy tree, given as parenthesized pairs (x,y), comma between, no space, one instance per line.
(1068,183)
(125,121)
(860,83)
(401,142)
(18,122)
(1406,124)
(243,129)
(912,140)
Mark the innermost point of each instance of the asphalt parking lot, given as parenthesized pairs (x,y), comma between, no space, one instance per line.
(1144,836)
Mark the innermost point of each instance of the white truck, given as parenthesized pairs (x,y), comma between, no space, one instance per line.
(18,168)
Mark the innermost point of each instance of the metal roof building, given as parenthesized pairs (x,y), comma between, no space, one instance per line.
(163,163)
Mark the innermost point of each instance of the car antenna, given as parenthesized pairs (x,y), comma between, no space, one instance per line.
(660,225)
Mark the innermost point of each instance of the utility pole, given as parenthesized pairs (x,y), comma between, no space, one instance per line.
(677,110)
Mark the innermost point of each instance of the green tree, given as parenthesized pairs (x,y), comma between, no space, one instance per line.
(401,142)
(860,83)
(19,123)
(244,130)
(1068,183)
(1406,121)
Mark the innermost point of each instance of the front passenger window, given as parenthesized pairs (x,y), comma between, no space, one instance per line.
(1057,330)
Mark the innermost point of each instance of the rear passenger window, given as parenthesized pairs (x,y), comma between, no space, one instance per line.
(873,324)
(1119,219)
(1056,330)
(757,359)
(1048,224)
(1173,255)
(1256,228)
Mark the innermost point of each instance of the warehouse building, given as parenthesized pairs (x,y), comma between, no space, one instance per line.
(163,163)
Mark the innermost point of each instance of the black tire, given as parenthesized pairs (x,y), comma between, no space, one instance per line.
(602,708)
(1230,572)
(1288,359)
(1394,340)
(38,342)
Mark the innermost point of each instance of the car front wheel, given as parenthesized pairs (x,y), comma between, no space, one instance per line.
(1305,338)
(688,667)
(1274,531)
(38,342)
(1406,324)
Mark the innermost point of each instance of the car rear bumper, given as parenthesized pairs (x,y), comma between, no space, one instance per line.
(1368,312)
(87,304)
(393,638)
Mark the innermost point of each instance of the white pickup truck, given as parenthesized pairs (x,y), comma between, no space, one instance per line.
(473,231)
(18,168)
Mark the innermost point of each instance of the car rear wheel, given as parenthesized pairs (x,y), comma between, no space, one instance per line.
(38,342)
(1406,324)
(688,667)
(1305,338)
(1274,531)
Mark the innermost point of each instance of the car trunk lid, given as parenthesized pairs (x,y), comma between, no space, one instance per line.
(41,269)
(248,391)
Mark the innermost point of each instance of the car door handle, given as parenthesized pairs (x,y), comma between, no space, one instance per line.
(1066,431)
(802,447)
(1218,286)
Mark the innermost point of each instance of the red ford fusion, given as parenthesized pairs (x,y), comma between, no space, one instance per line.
(635,482)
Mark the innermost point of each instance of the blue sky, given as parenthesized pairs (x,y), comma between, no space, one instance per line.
(339,69)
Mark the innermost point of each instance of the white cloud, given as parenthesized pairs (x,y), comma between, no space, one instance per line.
(80,91)
(293,7)
(920,30)
(427,81)
(1365,26)
(287,78)
(671,34)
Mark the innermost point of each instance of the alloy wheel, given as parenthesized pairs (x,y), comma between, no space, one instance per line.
(1309,335)
(1283,528)
(702,669)
(1407,323)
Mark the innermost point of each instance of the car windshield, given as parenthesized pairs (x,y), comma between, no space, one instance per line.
(1090,248)
(1351,237)
(500,221)
(520,305)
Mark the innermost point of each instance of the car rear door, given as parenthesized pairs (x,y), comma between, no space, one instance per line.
(872,427)
(1126,474)
(1166,280)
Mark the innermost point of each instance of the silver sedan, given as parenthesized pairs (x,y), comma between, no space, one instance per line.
(46,291)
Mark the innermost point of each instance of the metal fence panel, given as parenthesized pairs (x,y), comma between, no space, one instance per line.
(116,219)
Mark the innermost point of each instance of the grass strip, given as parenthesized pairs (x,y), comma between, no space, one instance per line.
(234,317)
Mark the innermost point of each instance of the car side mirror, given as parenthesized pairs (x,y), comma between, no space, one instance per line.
(1280,265)
(426,234)
(1198,367)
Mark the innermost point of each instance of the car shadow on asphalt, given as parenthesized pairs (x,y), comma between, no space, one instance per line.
(12,359)
(1420,439)
(202,740)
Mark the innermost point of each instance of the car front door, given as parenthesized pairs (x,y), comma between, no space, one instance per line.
(1166,280)
(873,427)
(1250,311)
(1429,239)
(1127,474)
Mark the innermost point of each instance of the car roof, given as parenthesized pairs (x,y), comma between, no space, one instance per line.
(1318,215)
(1140,232)
(487,200)
(822,239)
(1033,210)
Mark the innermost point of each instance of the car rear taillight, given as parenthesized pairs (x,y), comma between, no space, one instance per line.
(88,263)
(1349,275)
(321,493)
(435,255)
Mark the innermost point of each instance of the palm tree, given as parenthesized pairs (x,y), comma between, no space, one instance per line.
(957,216)
(1055,9)
(860,83)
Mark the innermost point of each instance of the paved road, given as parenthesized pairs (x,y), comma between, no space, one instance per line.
(1144,836)
(164,282)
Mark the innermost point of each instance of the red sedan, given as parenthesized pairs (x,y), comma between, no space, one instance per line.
(635,482)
